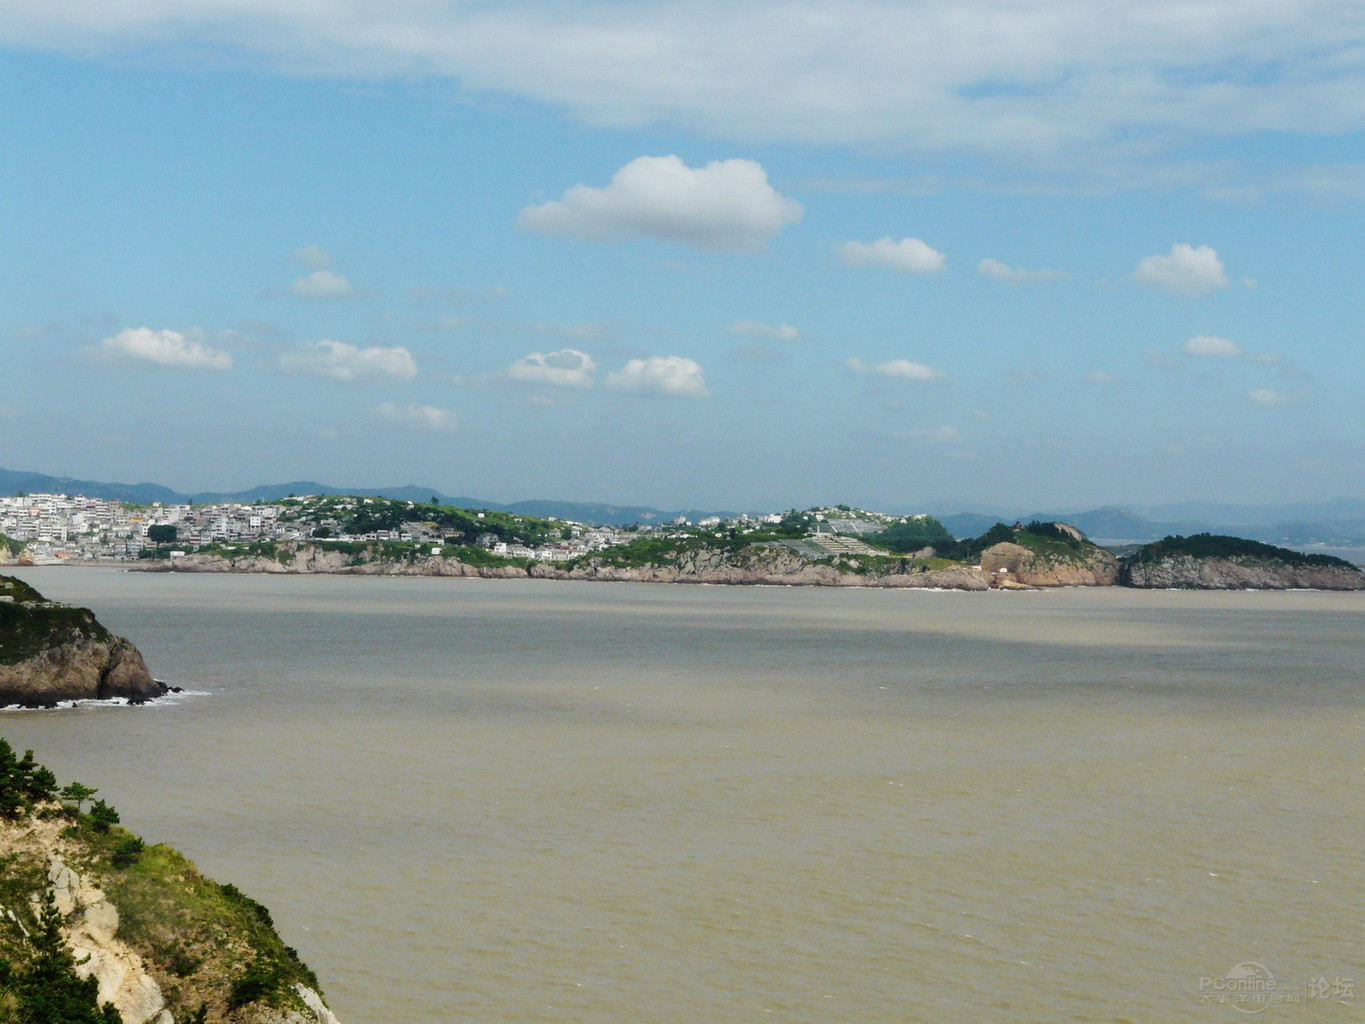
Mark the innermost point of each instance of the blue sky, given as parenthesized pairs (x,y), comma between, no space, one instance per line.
(744,255)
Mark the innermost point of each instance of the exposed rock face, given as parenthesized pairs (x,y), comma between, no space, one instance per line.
(1091,567)
(1185,572)
(771,565)
(51,652)
(92,923)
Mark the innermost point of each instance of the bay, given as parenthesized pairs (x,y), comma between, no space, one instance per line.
(500,801)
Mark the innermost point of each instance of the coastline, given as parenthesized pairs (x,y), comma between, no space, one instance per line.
(775,565)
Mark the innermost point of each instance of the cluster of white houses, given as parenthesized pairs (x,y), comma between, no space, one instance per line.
(59,526)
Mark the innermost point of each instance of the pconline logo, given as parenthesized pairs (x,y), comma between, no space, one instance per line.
(1249,987)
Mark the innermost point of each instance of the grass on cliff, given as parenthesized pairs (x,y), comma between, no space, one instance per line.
(206,935)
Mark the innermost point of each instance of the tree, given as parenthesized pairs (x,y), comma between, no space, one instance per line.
(102,816)
(162,533)
(77,793)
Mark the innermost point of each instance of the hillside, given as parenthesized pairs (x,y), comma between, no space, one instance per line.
(96,927)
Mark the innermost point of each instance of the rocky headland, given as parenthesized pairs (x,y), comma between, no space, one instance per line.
(53,652)
(97,927)
(1213,562)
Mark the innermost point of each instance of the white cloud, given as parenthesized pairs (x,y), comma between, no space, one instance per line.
(1264,396)
(758,329)
(423,417)
(1038,82)
(567,368)
(314,256)
(168,348)
(726,206)
(1099,377)
(908,256)
(998,271)
(1209,347)
(459,295)
(660,375)
(341,361)
(901,369)
(321,284)
(942,435)
(1184,271)
(8,412)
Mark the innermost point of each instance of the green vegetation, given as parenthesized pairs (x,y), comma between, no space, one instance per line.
(163,533)
(913,534)
(30,624)
(358,516)
(1208,545)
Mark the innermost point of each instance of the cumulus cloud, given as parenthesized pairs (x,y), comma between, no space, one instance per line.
(726,206)
(998,271)
(1264,396)
(1185,270)
(340,361)
(908,256)
(758,329)
(423,417)
(314,256)
(900,369)
(321,284)
(1209,347)
(167,348)
(672,376)
(567,368)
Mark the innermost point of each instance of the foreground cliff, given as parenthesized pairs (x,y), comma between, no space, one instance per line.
(96,928)
(1212,562)
(52,652)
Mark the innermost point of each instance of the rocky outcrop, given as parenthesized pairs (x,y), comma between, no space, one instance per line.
(52,652)
(1186,572)
(1089,566)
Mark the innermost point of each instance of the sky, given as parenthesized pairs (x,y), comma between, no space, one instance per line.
(743,254)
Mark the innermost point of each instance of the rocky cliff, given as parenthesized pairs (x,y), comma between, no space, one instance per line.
(52,652)
(97,927)
(1212,562)
(1049,566)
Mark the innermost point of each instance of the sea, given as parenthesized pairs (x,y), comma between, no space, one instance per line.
(530,801)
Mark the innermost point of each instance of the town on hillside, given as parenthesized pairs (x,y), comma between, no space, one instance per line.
(54,528)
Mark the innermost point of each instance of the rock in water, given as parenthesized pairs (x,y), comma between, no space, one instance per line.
(54,652)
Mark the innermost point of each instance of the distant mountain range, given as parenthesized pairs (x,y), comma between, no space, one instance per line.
(13,482)
(1339,522)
